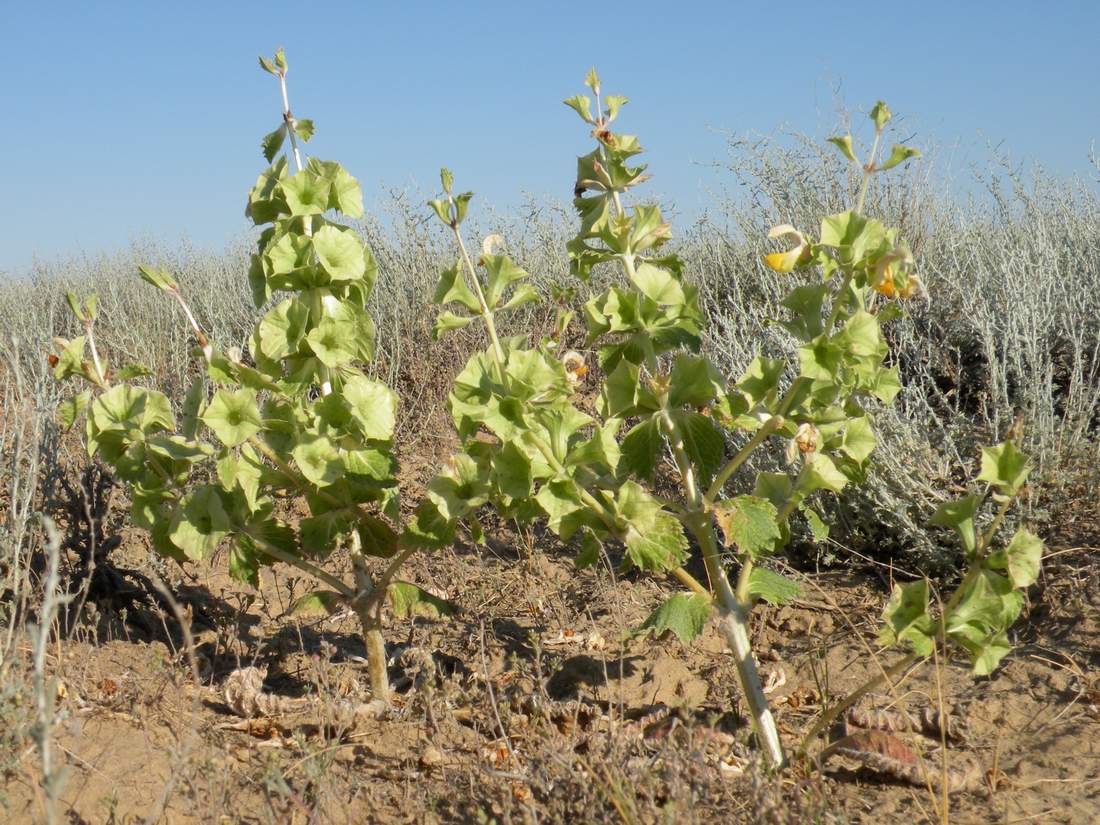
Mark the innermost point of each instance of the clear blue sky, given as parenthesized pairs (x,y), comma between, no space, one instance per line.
(126,120)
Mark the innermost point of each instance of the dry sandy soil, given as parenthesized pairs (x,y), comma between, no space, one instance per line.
(535,705)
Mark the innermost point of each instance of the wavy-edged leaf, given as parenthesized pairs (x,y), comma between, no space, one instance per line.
(409,600)
(684,615)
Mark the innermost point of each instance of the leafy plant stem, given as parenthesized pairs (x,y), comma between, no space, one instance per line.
(371,620)
(378,593)
(486,313)
(987,536)
(734,611)
(693,584)
(288,118)
(302,564)
(733,624)
(795,498)
(204,343)
(868,170)
(89,325)
(758,438)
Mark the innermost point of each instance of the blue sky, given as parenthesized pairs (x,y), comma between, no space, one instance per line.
(136,120)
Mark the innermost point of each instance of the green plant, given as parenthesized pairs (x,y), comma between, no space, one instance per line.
(297,418)
(976,616)
(534,453)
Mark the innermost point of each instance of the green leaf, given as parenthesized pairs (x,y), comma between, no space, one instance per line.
(307,193)
(244,566)
(844,144)
(749,523)
(71,408)
(318,459)
(887,385)
(125,407)
(906,618)
(512,472)
(899,154)
(582,105)
(372,405)
(428,529)
(502,272)
(822,474)
(620,390)
(410,600)
(818,528)
(880,114)
(694,382)
(158,278)
(321,534)
(460,487)
(685,615)
(453,287)
(268,66)
(654,538)
(760,382)
(522,294)
(200,523)
(376,537)
(345,194)
(1005,467)
(281,329)
(1022,558)
(591,549)
(703,442)
(859,439)
(447,321)
(318,601)
(132,371)
(242,472)
(658,285)
(639,450)
(771,587)
(340,253)
(959,515)
(447,180)
(614,103)
(273,142)
(333,341)
(74,305)
(592,80)
(233,416)
(303,128)
(805,304)
(442,209)
(988,655)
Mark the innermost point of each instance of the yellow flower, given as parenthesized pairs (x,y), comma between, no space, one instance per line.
(796,256)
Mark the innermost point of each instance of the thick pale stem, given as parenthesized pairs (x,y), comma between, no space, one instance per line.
(868,170)
(371,620)
(200,336)
(734,627)
(288,118)
(376,656)
(88,327)
(734,611)
(486,312)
